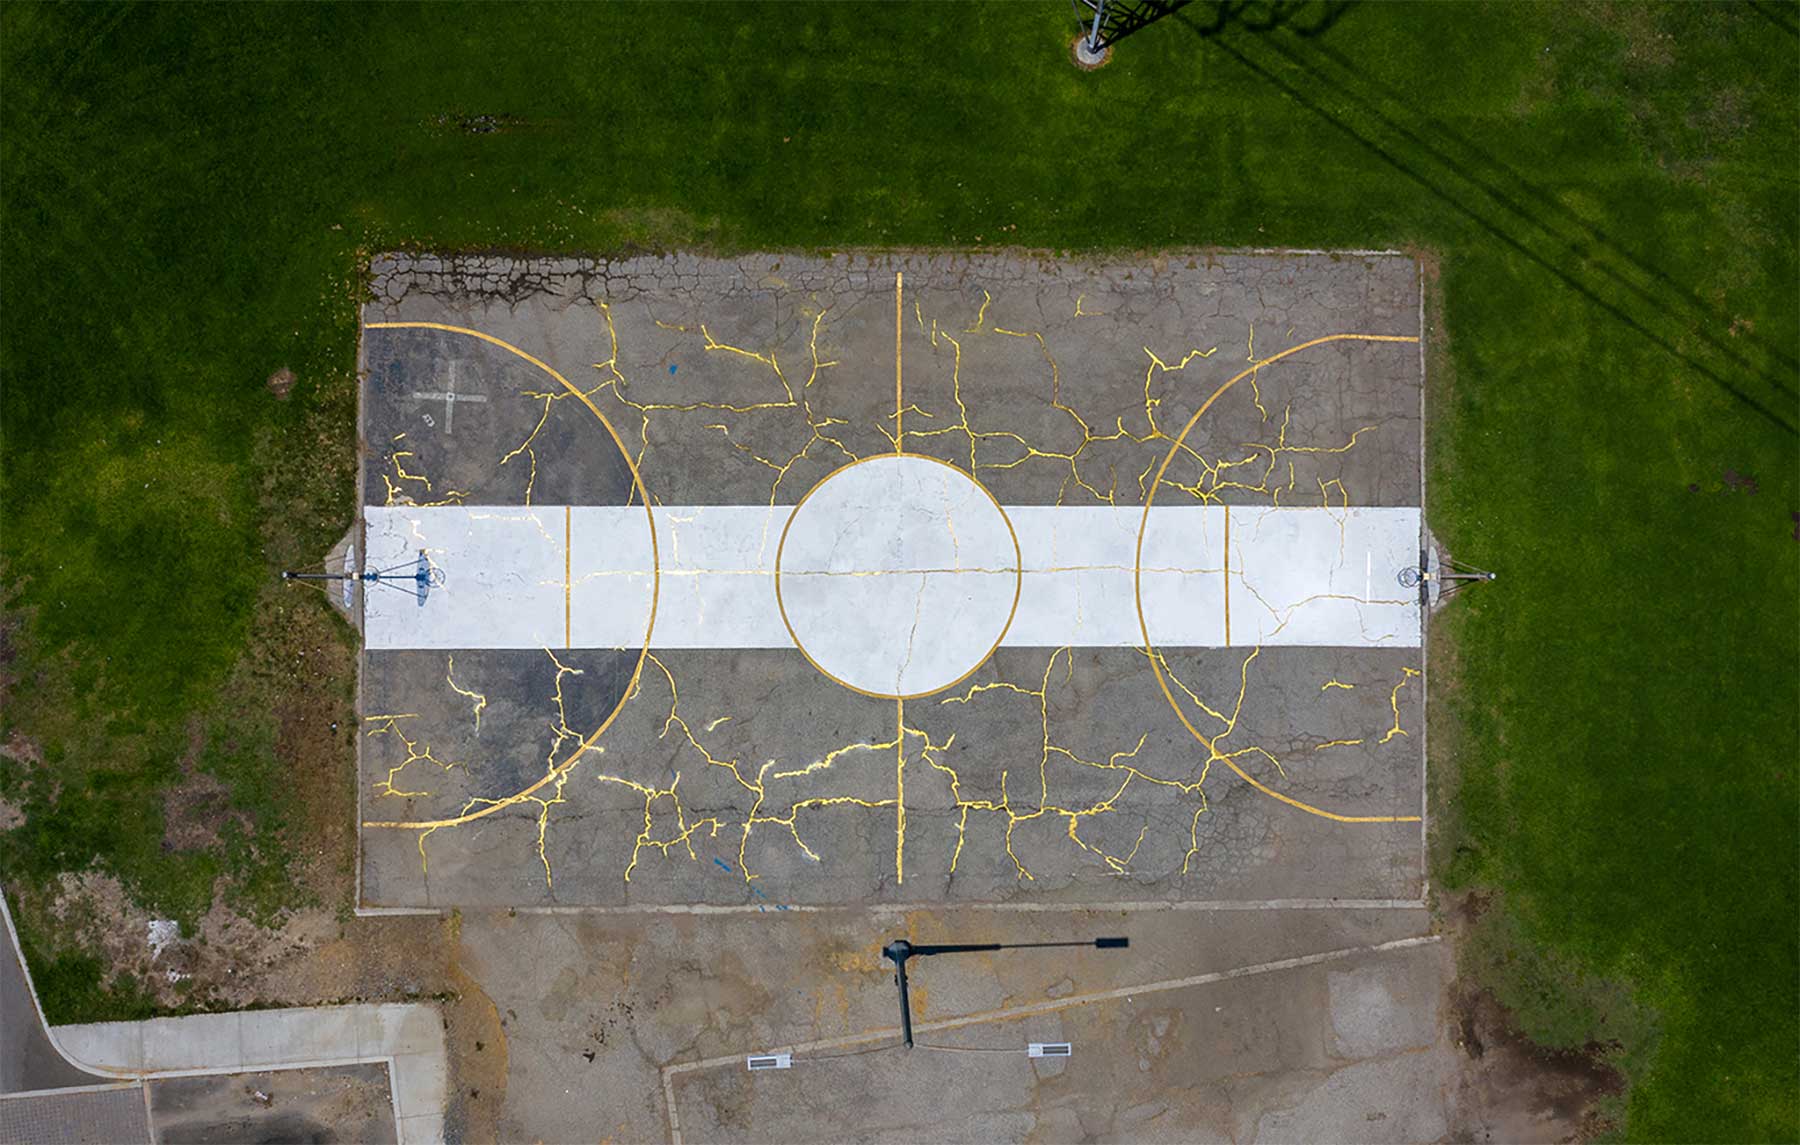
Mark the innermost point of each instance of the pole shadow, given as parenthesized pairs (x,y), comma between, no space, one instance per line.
(1106,22)
(1455,201)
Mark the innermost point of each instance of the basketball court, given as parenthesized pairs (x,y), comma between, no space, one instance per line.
(782,583)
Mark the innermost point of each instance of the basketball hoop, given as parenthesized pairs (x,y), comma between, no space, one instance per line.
(415,578)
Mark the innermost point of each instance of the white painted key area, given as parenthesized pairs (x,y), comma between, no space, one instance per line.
(862,587)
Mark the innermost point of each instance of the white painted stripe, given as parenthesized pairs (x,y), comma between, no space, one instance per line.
(1321,577)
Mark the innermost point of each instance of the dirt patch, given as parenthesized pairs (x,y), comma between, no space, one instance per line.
(94,910)
(476,1040)
(281,382)
(21,748)
(1511,1088)
(196,809)
(330,1103)
(1515,1090)
(228,962)
(28,754)
(301,673)
(317,958)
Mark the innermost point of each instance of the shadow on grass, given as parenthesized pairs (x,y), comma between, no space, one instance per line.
(1123,18)
(1569,271)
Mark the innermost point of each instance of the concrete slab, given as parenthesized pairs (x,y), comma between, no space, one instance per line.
(1376,1009)
(1210,1026)
(200,1041)
(348,1103)
(407,1037)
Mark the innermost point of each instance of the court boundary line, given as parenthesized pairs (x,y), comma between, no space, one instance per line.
(1141,906)
(1424,618)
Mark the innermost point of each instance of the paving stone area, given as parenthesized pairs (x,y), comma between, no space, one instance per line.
(109,1116)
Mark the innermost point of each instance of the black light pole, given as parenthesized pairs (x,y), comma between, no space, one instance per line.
(899,950)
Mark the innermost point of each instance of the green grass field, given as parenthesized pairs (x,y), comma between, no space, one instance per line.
(1607,194)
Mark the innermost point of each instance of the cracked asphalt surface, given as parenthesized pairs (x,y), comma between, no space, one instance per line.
(746,382)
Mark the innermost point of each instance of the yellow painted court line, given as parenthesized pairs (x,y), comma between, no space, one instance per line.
(568,574)
(554,774)
(787,622)
(1228,576)
(899,405)
(1138,580)
(900,790)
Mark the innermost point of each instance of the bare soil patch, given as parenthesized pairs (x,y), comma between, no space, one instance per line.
(1516,1090)
(196,809)
(1511,1088)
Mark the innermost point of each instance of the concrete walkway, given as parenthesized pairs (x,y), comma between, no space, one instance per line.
(53,1070)
(408,1038)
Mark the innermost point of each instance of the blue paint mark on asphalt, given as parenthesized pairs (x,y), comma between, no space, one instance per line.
(671,367)
(754,889)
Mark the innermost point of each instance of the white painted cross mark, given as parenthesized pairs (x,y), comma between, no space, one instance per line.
(449,397)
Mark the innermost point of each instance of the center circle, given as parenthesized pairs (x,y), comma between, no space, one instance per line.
(898,576)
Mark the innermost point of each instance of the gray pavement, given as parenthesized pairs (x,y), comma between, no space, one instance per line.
(28,1059)
(1247,1025)
(105,1115)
